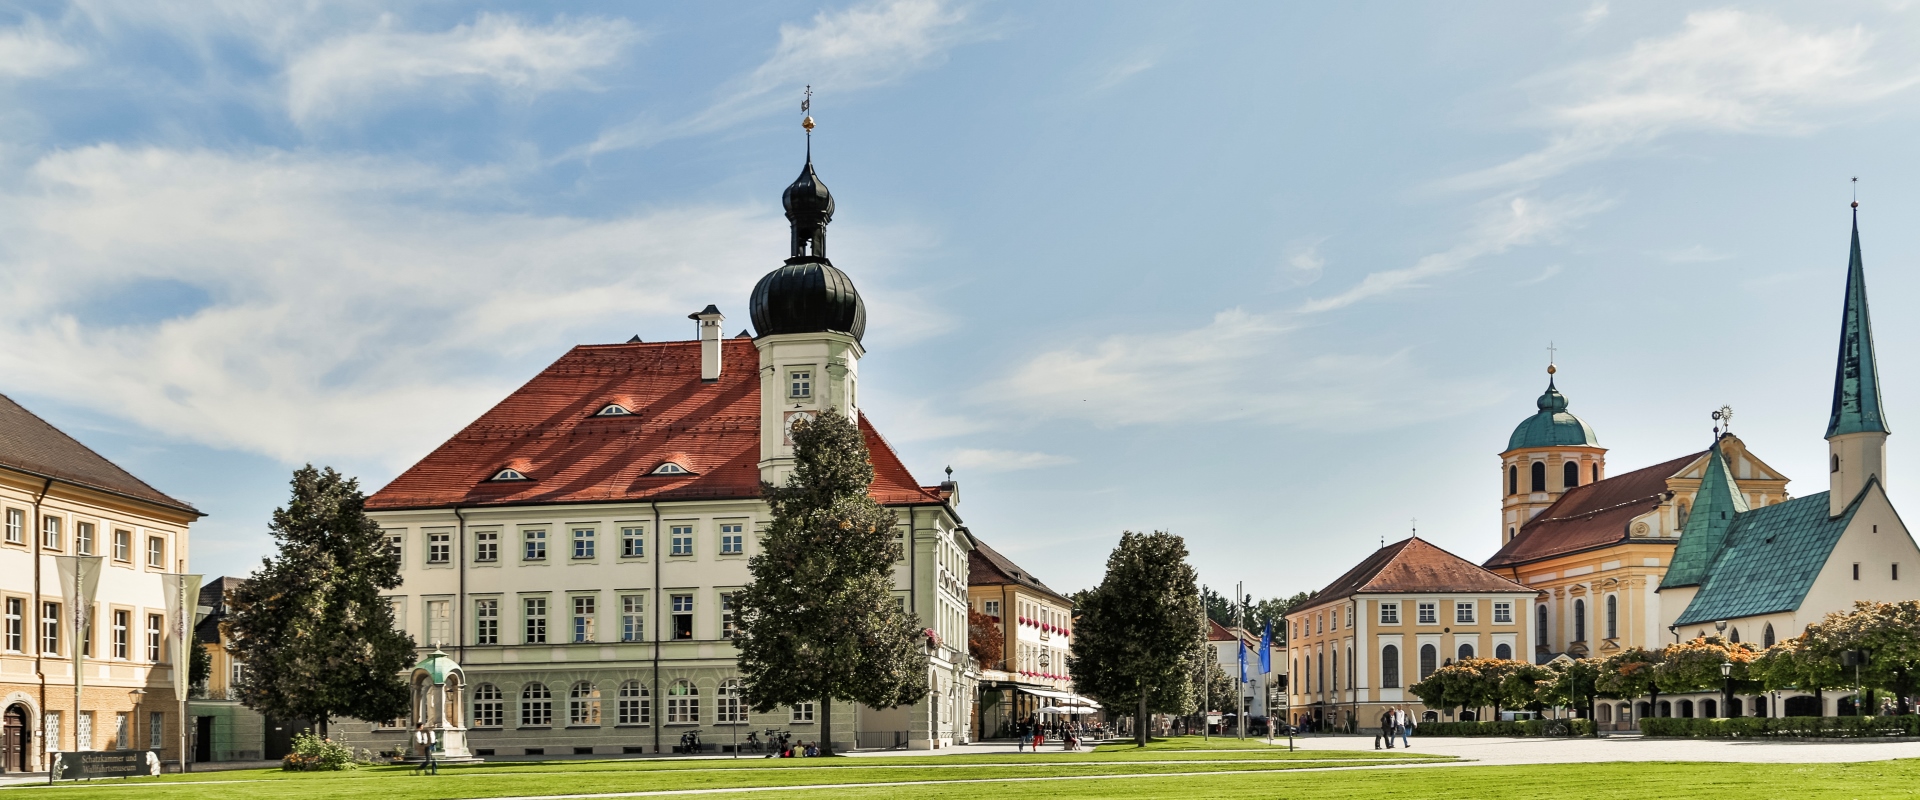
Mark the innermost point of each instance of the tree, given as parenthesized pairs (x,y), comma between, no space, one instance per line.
(1223,690)
(818,621)
(1134,644)
(1695,666)
(1890,635)
(1524,685)
(200,664)
(1629,674)
(1573,685)
(985,640)
(318,639)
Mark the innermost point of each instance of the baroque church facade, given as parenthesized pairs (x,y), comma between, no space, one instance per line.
(577,547)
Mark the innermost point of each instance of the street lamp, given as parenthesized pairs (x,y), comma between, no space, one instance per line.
(133,723)
(1726,675)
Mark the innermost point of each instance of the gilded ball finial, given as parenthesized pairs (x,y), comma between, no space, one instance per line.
(1551,369)
(807,123)
(1856,204)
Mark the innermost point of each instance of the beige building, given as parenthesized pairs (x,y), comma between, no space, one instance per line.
(60,503)
(1036,626)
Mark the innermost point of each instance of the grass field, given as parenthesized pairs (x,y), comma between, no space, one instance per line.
(1171,768)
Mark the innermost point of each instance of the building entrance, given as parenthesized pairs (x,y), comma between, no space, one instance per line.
(15,734)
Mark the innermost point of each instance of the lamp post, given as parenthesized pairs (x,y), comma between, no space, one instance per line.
(133,722)
(1726,676)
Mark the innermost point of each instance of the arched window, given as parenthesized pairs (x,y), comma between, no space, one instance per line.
(1836,463)
(1766,635)
(1540,627)
(1513,479)
(1680,514)
(1733,635)
(1352,669)
(636,708)
(1466,652)
(1709,709)
(489,709)
(1596,473)
(536,706)
(1503,651)
(1336,671)
(1539,476)
(1579,620)
(1613,617)
(1429,655)
(1570,474)
(1686,709)
(1390,667)
(583,705)
(1320,673)
(683,703)
(726,704)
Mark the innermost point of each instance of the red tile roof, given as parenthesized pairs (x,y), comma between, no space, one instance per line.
(1411,565)
(987,567)
(546,430)
(1591,516)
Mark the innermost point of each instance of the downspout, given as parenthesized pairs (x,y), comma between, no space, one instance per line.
(654,702)
(40,648)
(460,612)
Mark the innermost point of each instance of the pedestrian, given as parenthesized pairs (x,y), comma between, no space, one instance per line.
(423,739)
(1405,723)
(1386,730)
(1020,737)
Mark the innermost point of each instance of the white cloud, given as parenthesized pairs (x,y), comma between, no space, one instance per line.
(838,53)
(1518,221)
(1240,366)
(29,51)
(350,73)
(1004,460)
(1728,71)
(344,311)
(1306,261)
(1594,15)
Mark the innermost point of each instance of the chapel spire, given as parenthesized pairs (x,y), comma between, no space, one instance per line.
(1856,378)
(1714,506)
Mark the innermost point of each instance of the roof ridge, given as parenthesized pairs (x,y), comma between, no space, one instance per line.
(159,498)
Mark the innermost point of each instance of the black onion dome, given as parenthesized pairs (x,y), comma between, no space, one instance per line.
(808,295)
(807,199)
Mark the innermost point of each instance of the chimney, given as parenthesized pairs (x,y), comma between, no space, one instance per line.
(709,319)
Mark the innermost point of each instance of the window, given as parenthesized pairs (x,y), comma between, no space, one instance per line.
(1429,660)
(122,621)
(682,617)
(991,608)
(682,540)
(156,729)
(1856,570)
(583,543)
(726,615)
(1466,652)
(489,709)
(122,733)
(683,703)
(1540,626)
(800,384)
(1503,612)
(583,619)
(1733,635)
(439,623)
(156,552)
(1429,613)
(1570,474)
(613,410)
(726,704)
(1539,475)
(439,548)
(50,533)
(1390,667)
(16,624)
(1613,616)
(397,546)
(16,521)
(1463,612)
(486,546)
(1513,479)
(156,634)
(1594,472)
(1579,620)
(536,545)
(536,706)
(633,618)
(670,468)
(635,707)
(53,730)
(733,541)
(633,542)
(1836,463)
(1766,635)
(803,712)
(122,545)
(536,620)
(83,538)
(1336,619)
(1320,623)
(1389,613)
(583,705)
(486,622)
(50,628)
(83,731)
(1503,651)
(508,475)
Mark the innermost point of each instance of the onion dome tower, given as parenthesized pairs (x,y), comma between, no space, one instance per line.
(1549,452)
(808,295)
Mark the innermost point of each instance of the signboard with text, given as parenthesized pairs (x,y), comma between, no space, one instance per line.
(74,765)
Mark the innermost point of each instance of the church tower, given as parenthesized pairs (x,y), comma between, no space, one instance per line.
(1549,453)
(808,319)
(1857,429)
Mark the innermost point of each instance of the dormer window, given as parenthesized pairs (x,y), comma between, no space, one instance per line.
(508,474)
(613,410)
(670,468)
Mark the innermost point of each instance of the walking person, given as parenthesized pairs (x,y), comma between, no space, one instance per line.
(1386,728)
(424,739)
(1405,723)
(1020,737)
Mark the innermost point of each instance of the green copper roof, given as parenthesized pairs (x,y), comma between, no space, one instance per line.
(1715,507)
(1770,560)
(1856,380)
(1552,425)
(438,666)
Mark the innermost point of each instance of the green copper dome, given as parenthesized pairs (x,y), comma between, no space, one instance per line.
(438,666)
(1552,426)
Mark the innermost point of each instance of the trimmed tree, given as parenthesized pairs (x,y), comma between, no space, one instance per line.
(318,640)
(818,621)
(1629,674)
(1890,635)
(1134,645)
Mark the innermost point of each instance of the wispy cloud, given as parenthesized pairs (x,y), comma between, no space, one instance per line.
(28,50)
(1725,70)
(1696,254)
(1594,15)
(354,72)
(1004,460)
(1504,225)
(1304,262)
(1125,69)
(838,52)
(1544,276)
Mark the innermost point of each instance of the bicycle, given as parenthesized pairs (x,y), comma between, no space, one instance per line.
(690,742)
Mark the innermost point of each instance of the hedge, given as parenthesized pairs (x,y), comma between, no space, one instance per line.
(1794,727)
(1522,727)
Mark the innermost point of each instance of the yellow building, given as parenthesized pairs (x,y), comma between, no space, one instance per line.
(1036,625)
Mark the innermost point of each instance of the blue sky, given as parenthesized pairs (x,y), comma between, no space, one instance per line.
(1276,277)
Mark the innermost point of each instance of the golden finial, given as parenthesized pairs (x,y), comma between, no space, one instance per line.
(806,105)
(1550,352)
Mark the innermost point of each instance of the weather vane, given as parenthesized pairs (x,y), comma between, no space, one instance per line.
(1856,191)
(806,109)
(1723,419)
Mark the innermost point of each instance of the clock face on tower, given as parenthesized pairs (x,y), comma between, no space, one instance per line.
(792,417)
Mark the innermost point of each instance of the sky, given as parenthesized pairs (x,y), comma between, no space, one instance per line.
(1280,278)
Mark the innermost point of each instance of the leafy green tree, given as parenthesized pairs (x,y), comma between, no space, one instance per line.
(318,640)
(1465,684)
(200,664)
(1134,644)
(1695,666)
(1574,685)
(1890,635)
(1223,691)
(1524,685)
(1628,674)
(818,621)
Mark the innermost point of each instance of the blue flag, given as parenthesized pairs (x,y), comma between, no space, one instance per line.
(1243,660)
(1266,649)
